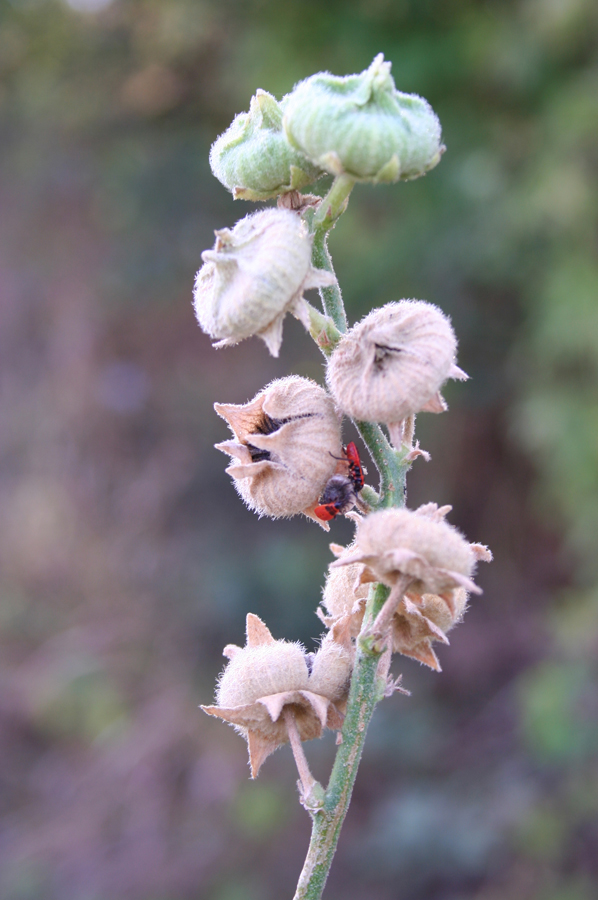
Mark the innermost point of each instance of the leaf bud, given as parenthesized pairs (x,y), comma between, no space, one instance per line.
(392,364)
(255,274)
(286,444)
(253,157)
(362,126)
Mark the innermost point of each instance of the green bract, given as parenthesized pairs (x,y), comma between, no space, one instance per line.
(362,126)
(253,158)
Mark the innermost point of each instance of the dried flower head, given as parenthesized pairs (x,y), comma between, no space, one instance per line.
(344,596)
(253,158)
(267,676)
(417,622)
(286,441)
(255,274)
(363,126)
(399,547)
(420,621)
(392,364)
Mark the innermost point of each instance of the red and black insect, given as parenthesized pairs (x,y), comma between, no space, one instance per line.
(340,493)
(355,467)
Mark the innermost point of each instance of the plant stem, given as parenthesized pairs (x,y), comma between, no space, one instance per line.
(329,210)
(391,464)
(365,693)
(305,776)
(367,686)
(334,203)
(332,300)
(366,690)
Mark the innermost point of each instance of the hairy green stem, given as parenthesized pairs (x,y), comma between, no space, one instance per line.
(392,464)
(332,300)
(366,690)
(367,686)
(333,204)
(329,210)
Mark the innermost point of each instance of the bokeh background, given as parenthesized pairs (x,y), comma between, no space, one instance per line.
(127,561)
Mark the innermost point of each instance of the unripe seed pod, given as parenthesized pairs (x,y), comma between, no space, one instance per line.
(253,157)
(392,364)
(253,276)
(266,677)
(362,126)
(397,543)
(287,441)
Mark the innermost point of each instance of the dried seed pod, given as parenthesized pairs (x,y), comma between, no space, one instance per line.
(332,666)
(344,596)
(363,126)
(253,157)
(267,676)
(418,622)
(416,625)
(286,441)
(395,544)
(392,364)
(255,274)
(428,566)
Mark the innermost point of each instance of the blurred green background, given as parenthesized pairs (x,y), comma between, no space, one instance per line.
(127,561)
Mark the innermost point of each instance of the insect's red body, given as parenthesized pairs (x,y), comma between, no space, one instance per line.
(355,467)
(341,491)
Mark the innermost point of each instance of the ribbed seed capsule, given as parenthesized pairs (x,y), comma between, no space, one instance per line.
(395,545)
(420,621)
(286,444)
(362,126)
(267,676)
(255,274)
(393,363)
(344,597)
(253,157)
(416,624)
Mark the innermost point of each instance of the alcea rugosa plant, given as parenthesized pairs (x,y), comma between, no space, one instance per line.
(405,579)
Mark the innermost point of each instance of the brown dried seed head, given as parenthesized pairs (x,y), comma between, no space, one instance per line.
(417,625)
(266,677)
(331,669)
(256,672)
(436,609)
(286,441)
(342,590)
(393,363)
(400,542)
(253,276)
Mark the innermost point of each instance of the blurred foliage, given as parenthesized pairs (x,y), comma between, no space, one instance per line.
(127,561)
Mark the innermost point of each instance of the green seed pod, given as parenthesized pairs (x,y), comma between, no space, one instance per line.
(362,126)
(253,158)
